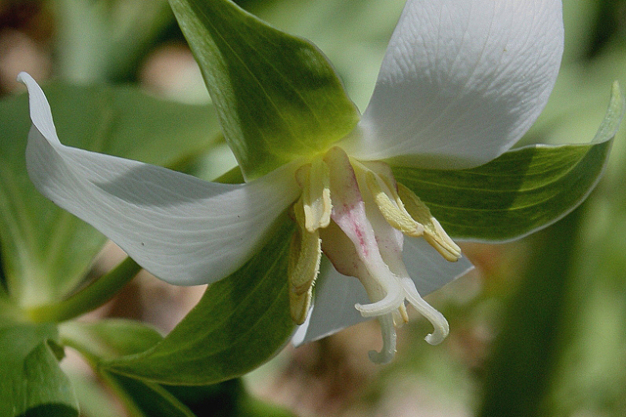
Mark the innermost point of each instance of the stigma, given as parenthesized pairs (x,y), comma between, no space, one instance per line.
(357,215)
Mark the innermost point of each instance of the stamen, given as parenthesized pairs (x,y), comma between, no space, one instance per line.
(388,351)
(433,232)
(439,322)
(390,207)
(314,179)
(440,240)
(299,305)
(304,263)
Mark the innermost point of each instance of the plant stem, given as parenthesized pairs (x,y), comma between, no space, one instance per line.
(89,298)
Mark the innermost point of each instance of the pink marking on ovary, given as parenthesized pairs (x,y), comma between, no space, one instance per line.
(351,219)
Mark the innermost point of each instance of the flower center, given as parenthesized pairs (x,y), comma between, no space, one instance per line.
(357,214)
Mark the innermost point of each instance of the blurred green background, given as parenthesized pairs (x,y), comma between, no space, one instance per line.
(539,329)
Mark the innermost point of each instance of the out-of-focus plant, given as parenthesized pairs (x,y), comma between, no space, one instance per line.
(104,40)
(583,318)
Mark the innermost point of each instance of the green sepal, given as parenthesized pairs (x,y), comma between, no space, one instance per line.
(31,381)
(518,193)
(240,323)
(46,250)
(277,96)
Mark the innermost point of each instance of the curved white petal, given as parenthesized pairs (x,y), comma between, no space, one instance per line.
(333,308)
(461,81)
(427,268)
(181,229)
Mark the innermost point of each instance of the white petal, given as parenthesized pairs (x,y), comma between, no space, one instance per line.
(181,229)
(461,81)
(333,308)
(427,268)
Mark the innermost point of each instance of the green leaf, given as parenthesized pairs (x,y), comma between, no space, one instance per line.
(277,96)
(45,250)
(521,191)
(31,382)
(239,323)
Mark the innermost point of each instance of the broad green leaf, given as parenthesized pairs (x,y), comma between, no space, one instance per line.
(31,382)
(45,250)
(521,191)
(239,323)
(277,96)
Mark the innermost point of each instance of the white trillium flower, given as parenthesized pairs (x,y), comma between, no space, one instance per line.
(460,83)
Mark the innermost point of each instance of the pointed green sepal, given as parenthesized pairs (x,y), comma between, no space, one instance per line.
(240,323)
(520,192)
(277,96)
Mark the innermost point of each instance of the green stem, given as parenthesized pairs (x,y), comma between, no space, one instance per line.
(89,298)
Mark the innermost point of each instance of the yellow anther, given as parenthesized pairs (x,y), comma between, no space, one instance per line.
(299,305)
(304,263)
(391,207)
(433,232)
(314,178)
